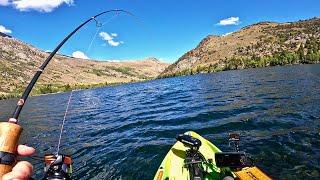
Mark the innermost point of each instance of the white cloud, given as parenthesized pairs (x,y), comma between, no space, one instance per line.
(229,21)
(113,60)
(110,38)
(113,43)
(226,34)
(79,54)
(4,2)
(38,5)
(5,30)
(105,36)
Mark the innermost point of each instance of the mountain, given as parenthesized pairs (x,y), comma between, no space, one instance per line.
(19,61)
(258,45)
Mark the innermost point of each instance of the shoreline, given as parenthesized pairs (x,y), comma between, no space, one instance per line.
(207,70)
(69,89)
(102,85)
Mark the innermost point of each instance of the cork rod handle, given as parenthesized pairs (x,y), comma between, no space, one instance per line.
(9,137)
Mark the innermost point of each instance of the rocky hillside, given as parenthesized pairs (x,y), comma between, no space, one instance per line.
(19,61)
(258,45)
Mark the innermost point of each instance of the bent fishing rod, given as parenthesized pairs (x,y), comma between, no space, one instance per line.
(10,131)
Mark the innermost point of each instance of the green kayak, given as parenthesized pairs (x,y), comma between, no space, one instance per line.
(194,158)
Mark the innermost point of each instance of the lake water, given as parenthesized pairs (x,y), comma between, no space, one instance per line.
(125,131)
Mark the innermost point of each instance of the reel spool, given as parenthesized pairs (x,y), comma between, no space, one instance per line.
(57,167)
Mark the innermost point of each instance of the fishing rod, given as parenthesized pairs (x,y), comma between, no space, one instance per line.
(10,131)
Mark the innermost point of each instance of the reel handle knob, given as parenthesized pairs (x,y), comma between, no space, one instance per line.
(9,137)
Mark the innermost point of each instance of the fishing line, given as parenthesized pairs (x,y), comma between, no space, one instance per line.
(37,158)
(99,26)
(63,122)
(93,38)
(117,14)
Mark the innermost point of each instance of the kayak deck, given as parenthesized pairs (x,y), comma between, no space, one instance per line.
(176,164)
(173,165)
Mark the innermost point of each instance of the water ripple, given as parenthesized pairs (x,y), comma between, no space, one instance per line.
(124,132)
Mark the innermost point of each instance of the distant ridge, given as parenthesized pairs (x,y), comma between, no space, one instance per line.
(258,45)
(19,61)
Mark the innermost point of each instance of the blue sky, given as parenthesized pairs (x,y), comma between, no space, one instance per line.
(165,29)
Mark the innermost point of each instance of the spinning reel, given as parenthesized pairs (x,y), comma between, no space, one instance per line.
(57,167)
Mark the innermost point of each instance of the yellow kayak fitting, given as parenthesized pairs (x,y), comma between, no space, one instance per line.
(193,157)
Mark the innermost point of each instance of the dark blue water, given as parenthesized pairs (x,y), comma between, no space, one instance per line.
(125,131)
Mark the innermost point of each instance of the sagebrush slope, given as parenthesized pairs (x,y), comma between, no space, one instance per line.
(258,45)
(19,61)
